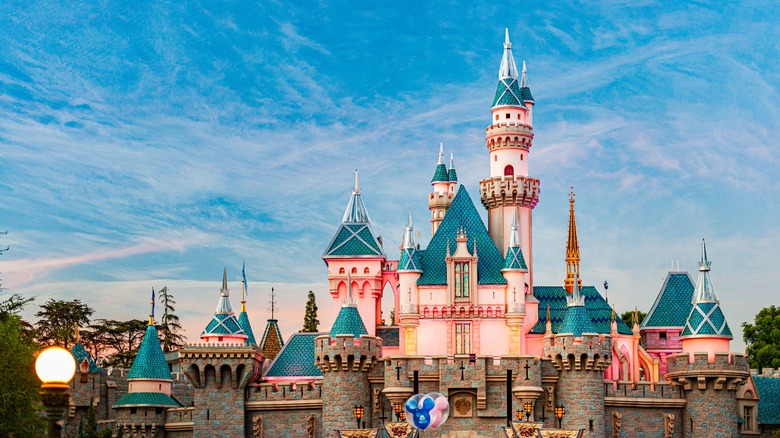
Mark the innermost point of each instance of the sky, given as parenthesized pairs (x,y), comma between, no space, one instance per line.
(152,143)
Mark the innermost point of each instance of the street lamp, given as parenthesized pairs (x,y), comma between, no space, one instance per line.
(55,367)
(358,412)
(519,415)
(398,409)
(528,407)
(402,416)
(560,411)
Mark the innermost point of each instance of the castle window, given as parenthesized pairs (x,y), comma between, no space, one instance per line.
(495,157)
(341,271)
(747,415)
(509,171)
(521,157)
(365,271)
(462,280)
(354,270)
(507,115)
(462,338)
(496,116)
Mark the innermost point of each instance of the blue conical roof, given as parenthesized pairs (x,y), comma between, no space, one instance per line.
(577,321)
(348,322)
(80,354)
(243,322)
(706,317)
(224,321)
(150,362)
(355,237)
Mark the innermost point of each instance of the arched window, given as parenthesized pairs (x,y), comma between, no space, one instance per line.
(341,271)
(354,270)
(461,279)
(509,170)
(365,271)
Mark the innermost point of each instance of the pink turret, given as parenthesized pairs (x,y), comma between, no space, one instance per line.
(443,192)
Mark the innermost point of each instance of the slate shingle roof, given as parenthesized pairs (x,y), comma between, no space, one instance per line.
(508,93)
(272,341)
(296,358)
(673,304)
(243,322)
(348,322)
(598,309)
(80,354)
(461,213)
(440,174)
(706,318)
(577,321)
(147,399)
(150,362)
(769,399)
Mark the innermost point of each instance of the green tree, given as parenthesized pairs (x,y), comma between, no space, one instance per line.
(20,414)
(89,428)
(628,317)
(170,327)
(310,321)
(57,320)
(763,339)
(15,303)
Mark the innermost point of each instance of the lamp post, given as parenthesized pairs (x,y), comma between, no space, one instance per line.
(398,408)
(402,416)
(519,415)
(528,407)
(560,411)
(358,412)
(55,367)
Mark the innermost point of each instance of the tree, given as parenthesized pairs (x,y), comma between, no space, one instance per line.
(15,303)
(628,317)
(122,338)
(310,321)
(58,320)
(89,429)
(20,409)
(763,339)
(170,327)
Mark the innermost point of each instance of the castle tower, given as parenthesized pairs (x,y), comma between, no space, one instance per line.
(443,192)
(581,356)
(409,271)
(572,249)
(345,357)
(515,271)
(141,410)
(356,251)
(224,327)
(219,369)
(710,377)
(509,192)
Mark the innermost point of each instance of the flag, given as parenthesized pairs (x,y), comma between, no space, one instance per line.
(243,273)
(152,301)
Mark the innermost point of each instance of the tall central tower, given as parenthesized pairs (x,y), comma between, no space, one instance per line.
(509,192)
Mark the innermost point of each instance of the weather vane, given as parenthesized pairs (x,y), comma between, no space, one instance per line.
(272,302)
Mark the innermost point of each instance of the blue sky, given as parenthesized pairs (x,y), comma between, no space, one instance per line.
(153,143)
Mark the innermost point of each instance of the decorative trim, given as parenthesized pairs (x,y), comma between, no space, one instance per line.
(283,405)
(643,402)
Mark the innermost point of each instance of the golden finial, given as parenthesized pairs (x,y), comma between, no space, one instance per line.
(613,313)
(572,249)
(151,313)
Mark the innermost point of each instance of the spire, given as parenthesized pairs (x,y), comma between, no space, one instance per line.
(151,312)
(706,318)
(409,236)
(440,174)
(452,175)
(514,255)
(576,298)
(514,239)
(243,287)
(572,248)
(354,236)
(508,67)
(525,90)
(224,291)
(356,212)
(224,321)
(410,260)
(524,77)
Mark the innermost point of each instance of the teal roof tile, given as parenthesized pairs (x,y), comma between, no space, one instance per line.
(80,354)
(410,260)
(577,321)
(390,336)
(147,399)
(598,309)
(706,319)
(348,322)
(149,362)
(525,94)
(452,176)
(440,174)
(223,324)
(243,322)
(354,240)
(769,399)
(514,259)
(461,213)
(296,358)
(673,304)
(508,93)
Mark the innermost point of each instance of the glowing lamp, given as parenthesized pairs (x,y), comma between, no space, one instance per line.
(528,407)
(560,411)
(55,366)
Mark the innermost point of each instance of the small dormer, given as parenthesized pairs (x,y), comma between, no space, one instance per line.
(462,270)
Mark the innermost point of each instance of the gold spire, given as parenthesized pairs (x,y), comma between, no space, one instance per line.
(243,291)
(151,313)
(613,313)
(572,249)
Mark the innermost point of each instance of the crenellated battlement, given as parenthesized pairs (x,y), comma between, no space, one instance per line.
(591,354)
(698,370)
(347,353)
(509,190)
(220,365)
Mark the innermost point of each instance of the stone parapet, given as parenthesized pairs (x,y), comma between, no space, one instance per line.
(592,353)
(502,191)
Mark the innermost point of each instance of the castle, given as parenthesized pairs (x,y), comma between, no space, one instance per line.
(469,323)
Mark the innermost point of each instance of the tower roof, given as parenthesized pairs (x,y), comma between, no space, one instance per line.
(410,259)
(224,321)
(149,362)
(81,354)
(572,247)
(355,237)
(243,322)
(556,297)
(296,359)
(508,91)
(672,305)
(440,174)
(452,175)
(272,341)
(706,317)
(514,259)
(462,215)
(577,321)
(525,90)
(348,322)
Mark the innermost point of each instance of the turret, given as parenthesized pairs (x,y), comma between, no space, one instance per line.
(409,271)
(509,192)
(443,191)
(355,250)
(346,356)
(224,327)
(572,249)
(581,356)
(149,387)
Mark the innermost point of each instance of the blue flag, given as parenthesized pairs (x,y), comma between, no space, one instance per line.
(152,302)
(243,273)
